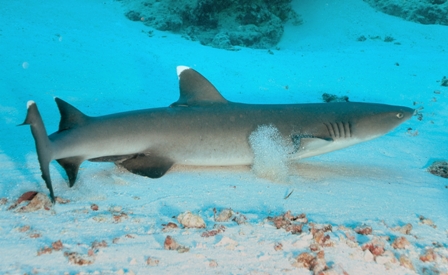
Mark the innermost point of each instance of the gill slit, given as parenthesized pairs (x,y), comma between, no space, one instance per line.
(339,129)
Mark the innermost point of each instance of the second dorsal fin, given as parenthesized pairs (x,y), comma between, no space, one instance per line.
(70,116)
(196,90)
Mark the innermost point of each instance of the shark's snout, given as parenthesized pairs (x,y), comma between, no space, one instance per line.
(406,113)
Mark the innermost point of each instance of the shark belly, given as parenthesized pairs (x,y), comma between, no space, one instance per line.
(177,137)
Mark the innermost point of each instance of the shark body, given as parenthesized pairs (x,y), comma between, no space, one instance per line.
(202,128)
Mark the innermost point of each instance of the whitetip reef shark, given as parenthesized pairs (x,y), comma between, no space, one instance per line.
(202,128)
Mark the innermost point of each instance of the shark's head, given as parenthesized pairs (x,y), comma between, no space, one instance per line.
(374,120)
(349,123)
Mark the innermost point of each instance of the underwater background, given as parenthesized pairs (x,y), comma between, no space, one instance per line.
(373,208)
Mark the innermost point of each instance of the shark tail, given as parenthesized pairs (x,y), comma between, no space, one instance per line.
(43,144)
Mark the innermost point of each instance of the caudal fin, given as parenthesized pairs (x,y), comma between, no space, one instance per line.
(43,143)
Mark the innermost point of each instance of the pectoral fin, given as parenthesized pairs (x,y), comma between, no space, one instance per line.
(309,146)
(119,158)
(151,166)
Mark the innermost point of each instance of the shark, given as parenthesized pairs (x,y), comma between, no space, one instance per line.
(201,128)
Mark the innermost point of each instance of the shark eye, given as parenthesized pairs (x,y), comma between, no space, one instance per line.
(400,115)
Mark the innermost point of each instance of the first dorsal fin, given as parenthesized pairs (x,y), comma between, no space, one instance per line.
(196,90)
(70,116)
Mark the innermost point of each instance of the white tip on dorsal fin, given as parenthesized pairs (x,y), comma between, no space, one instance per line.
(29,103)
(196,90)
(180,69)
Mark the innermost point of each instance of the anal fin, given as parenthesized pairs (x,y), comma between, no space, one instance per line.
(71,167)
(151,166)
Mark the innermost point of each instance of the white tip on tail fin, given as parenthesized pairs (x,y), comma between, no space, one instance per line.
(180,69)
(29,103)
(44,146)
